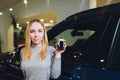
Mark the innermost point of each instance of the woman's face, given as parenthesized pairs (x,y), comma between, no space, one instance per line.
(36,33)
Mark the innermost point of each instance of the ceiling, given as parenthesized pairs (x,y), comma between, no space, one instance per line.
(6,3)
(47,16)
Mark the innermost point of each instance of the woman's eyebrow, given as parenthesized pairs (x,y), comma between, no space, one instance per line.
(40,29)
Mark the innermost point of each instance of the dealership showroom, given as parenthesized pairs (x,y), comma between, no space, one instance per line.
(90,54)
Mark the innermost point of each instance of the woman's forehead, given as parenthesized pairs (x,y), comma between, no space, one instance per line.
(36,25)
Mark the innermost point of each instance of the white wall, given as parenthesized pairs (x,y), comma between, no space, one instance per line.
(4,24)
(93,4)
(63,8)
(10,38)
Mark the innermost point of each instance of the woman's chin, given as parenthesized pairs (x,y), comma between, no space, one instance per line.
(36,43)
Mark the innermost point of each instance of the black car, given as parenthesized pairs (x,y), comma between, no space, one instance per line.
(93,46)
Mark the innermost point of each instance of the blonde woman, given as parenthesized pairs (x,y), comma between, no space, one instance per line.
(38,60)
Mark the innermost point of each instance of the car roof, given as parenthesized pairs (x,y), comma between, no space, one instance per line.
(89,19)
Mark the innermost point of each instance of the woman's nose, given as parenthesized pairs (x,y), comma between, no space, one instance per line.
(36,33)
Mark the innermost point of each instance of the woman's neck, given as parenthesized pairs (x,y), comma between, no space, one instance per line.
(35,45)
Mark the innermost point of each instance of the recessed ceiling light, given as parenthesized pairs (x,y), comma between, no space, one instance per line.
(1,13)
(51,21)
(10,9)
(25,1)
(27,22)
(41,20)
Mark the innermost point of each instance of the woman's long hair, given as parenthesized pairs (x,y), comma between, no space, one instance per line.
(44,43)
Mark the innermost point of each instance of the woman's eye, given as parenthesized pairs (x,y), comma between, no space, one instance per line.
(40,30)
(31,31)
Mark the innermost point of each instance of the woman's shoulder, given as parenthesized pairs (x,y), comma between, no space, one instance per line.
(51,48)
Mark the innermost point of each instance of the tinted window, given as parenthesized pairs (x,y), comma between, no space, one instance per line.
(72,36)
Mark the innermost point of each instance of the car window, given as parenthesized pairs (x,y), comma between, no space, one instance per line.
(72,36)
